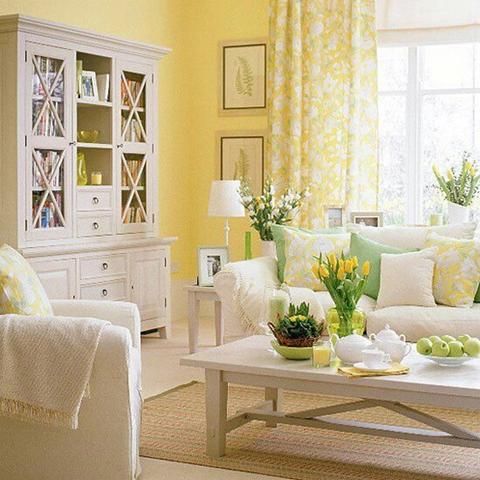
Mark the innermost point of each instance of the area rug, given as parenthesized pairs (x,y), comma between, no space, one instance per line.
(174,429)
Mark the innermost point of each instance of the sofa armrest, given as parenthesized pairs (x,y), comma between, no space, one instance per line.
(261,269)
(123,314)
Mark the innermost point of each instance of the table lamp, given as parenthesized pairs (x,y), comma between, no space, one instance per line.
(224,202)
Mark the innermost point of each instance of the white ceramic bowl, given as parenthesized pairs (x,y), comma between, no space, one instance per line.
(449,361)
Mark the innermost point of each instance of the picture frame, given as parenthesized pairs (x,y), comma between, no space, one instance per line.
(369,219)
(88,86)
(243,77)
(211,260)
(334,216)
(241,154)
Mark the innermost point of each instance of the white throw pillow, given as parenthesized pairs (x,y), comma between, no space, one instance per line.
(412,237)
(407,279)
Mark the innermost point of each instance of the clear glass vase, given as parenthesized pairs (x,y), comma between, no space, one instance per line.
(345,323)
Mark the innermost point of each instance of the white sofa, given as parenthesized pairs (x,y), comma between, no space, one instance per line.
(414,322)
(105,446)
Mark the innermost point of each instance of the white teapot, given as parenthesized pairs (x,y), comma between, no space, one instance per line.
(390,342)
(349,349)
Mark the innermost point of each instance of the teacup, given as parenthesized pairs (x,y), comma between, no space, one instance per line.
(374,357)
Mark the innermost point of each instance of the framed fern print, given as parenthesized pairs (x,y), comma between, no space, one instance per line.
(241,155)
(243,77)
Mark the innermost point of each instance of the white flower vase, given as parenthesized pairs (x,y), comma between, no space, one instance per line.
(458,213)
(268,248)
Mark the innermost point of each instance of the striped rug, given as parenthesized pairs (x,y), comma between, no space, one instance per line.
(174,429)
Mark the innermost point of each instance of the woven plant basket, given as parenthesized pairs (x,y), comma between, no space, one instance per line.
(291,342)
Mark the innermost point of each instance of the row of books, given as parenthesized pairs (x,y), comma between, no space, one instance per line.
(47,125)
(48,71)
(134,215)
(134,167)
(133,132)
(49,160)
(49,217)
(134,88)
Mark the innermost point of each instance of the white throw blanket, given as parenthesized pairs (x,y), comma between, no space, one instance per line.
(45,366)
(250,300)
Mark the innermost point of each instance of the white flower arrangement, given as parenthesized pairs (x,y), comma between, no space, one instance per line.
(265,211)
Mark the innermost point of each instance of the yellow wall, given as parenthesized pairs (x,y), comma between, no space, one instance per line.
(188,97)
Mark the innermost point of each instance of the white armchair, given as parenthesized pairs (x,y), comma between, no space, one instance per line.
(105,446)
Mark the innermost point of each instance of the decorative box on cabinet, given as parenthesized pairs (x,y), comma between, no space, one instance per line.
(85,241)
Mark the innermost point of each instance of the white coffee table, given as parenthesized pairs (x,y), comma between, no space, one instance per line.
(251,361)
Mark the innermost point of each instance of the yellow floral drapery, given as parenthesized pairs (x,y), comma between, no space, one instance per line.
(323,103)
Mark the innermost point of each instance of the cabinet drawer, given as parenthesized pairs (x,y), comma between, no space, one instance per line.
(94,225)
(89,199)
(103,266)
(114,290)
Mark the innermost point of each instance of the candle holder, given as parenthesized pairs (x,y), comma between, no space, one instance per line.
(321,354)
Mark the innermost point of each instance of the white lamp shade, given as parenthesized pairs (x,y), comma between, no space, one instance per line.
(224,199)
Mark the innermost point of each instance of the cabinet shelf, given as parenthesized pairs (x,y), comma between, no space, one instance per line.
(103,146)
(81,102)
(140,188)
(127,108)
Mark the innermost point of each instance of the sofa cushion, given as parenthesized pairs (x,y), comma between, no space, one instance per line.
(21,292)
(366,249)
(278,232)
(418,268)
(457,270)
(412,237)
(301,248)
(418,322)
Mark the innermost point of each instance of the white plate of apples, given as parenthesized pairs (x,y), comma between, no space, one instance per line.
(449,351)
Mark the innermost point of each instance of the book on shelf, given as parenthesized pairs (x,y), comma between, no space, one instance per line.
(134,168)
(47,126)
(48,72)
(49,217)
(132,131)
(134,215)
(134,87)
(48,161)
(103,86)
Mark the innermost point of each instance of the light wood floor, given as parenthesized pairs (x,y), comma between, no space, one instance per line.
(162,372)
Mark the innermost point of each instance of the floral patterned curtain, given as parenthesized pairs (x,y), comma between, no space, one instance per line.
(323,103)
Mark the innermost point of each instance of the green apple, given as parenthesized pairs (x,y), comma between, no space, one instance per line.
(456,349)
(448,338)
(472,347)
(463,338)
(435,339)
(424,346)
(440,349)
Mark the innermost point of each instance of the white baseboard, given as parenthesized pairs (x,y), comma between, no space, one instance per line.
(180,302)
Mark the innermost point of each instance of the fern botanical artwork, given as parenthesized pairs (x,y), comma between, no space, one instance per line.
(241,157)
(243,77)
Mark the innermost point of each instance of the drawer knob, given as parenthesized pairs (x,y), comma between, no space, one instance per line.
(95,200)
(95,225)
(105,266)
(104,292)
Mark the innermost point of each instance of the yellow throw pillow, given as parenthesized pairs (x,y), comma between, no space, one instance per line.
(20,289)
(457,270)
(301,247)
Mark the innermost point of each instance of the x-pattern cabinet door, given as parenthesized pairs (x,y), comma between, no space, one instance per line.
(48,142)
(135,149)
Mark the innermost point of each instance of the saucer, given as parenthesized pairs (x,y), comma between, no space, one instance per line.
(380,367)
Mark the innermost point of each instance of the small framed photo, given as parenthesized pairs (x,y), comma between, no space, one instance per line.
(369,219)
(334,216)
(243,77)
(210,261)
(88,87)
(241,155)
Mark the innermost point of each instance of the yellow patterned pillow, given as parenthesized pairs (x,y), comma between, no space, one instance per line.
(457,270)
(20,289)
(301,247)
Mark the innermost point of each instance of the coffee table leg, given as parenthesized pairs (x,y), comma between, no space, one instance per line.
(275,395)
(216,403)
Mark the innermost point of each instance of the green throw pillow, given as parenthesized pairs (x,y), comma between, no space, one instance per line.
(369,250)
(279,239)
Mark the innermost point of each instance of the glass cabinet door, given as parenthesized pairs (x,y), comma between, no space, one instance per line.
(135,151)
(48,142)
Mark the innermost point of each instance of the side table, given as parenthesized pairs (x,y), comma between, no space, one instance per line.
(195,295)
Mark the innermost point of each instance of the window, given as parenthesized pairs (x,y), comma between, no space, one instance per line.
(429,113)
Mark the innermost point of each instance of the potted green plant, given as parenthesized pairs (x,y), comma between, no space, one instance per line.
(265,210)
(459,188)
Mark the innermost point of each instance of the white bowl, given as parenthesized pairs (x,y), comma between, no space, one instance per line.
(449,361)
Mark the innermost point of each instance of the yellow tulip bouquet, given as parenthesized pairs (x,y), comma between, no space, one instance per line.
(345,282)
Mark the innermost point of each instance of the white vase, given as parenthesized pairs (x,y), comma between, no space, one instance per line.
(268,248)
(458,213)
